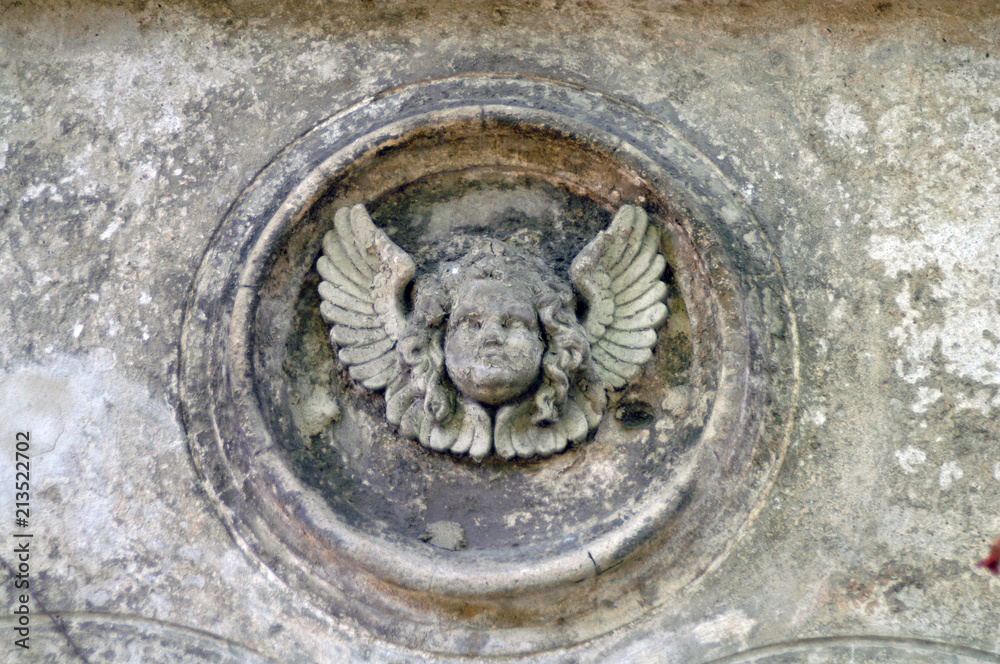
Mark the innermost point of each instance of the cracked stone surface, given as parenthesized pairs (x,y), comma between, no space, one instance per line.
(864,137)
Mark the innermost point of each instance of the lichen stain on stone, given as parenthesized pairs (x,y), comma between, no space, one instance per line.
(448,535)
(934,234)
(949,331)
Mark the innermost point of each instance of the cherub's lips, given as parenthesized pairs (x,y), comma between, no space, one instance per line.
(492,354)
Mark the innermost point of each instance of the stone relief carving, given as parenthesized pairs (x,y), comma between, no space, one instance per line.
(491,356)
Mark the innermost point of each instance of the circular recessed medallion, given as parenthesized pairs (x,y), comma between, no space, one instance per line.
(520,546)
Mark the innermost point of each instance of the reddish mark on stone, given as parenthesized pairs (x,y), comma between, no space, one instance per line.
(992,561)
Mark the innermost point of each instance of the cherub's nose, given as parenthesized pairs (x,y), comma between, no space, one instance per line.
(492,333)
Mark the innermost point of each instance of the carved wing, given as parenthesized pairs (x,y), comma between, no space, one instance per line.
(364,277)
(618,274)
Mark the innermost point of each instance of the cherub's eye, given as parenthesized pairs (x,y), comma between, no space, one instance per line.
(469,323)
(515,324)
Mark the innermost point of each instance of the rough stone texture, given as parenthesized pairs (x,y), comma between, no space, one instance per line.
(864,136)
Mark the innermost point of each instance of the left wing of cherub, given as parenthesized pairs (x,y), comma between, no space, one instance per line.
(365,275)
(618,274)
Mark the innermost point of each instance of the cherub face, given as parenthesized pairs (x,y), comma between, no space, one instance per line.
(493,349)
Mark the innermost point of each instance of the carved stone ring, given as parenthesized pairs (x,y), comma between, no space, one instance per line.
(491,356)
(508,450)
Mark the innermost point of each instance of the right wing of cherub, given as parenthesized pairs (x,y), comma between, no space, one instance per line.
(365,275)
(618,274)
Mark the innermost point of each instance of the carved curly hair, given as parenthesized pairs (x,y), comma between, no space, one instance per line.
(421,346)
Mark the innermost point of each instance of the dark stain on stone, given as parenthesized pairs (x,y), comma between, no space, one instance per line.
(635,415)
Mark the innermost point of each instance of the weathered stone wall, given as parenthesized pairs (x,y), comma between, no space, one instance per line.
(864,137)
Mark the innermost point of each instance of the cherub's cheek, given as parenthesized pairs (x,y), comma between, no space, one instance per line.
(455,351)
(525,350)
(529,343)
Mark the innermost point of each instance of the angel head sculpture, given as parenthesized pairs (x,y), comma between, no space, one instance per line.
(491,357)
